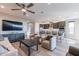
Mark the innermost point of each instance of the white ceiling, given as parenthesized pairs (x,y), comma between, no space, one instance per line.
(54,11)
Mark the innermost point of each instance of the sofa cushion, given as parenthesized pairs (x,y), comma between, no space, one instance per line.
(12,51)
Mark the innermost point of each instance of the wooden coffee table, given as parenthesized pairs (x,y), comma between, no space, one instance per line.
(29,43)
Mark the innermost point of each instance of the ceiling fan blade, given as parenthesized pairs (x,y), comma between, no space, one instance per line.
(30,5)
(23,5)
(18,4)
(15,9)
(24,13)
(31,11)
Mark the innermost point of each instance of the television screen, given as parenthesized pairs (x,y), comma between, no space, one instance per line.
(11,25)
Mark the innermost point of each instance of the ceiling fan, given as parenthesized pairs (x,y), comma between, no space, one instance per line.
(24,8)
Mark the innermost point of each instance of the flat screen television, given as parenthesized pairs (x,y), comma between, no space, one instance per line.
(8,25)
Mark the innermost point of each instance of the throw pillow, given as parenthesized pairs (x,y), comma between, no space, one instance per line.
(48,37)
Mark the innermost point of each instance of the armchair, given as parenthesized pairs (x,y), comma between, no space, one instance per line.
(73,51)
(49,43)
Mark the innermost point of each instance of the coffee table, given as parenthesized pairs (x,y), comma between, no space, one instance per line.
(29,43)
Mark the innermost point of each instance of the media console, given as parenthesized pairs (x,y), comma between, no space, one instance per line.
(14,37)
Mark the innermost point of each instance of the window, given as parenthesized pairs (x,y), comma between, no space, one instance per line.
(29,28)
(71,27)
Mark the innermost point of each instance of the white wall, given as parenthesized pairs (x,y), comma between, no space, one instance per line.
(76,32)
(10,17)
(37,28)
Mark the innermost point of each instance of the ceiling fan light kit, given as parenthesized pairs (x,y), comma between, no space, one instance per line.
(23,10)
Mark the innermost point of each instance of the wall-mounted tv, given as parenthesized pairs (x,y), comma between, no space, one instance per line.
(8,25)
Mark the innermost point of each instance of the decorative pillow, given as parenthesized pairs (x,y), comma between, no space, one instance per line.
(1,38)
(48,37)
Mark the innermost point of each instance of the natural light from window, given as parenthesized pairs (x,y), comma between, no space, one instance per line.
(71,28)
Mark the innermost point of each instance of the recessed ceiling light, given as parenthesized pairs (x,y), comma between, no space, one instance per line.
(1,6)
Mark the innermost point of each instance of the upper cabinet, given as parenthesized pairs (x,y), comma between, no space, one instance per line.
(45,26)
(55,25)
(59,25)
